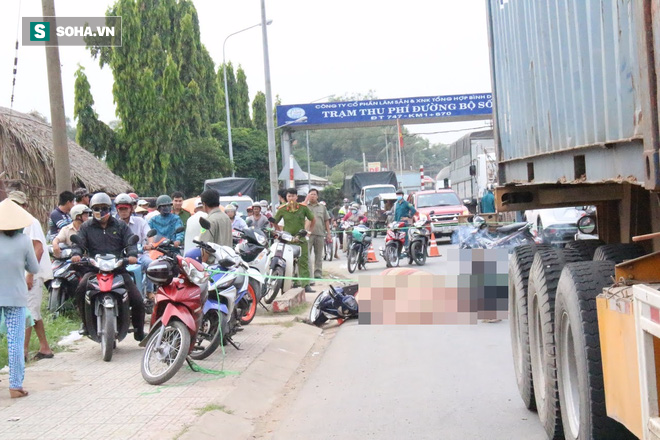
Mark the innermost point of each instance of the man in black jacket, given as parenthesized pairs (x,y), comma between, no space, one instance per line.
(104,234)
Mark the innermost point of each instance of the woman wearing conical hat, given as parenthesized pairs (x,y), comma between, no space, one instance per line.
(16,256)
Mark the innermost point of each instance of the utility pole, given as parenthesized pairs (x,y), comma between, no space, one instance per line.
(309,172)
(270,124)
(57,117)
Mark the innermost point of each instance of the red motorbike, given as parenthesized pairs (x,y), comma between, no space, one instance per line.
(395,240)
(177,316)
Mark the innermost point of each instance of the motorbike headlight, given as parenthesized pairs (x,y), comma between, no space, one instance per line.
(196,276)
(261,239)
(286,236)
(66,253)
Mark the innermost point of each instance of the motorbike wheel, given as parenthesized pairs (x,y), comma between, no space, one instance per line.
(352,260)
(108,336)
(418,251)
(317,317)
(391,256)
(273,286)
(208,336)
(169,356)
(248,306)
(328,252)
(54,300)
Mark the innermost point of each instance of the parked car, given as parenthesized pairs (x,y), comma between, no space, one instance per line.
(555,226)
(446,207)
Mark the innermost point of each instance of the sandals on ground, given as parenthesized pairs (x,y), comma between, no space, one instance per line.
(16,393)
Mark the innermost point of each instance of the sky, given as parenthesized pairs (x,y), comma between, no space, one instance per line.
(316,48)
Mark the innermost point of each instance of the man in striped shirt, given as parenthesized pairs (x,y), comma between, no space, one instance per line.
(60,217)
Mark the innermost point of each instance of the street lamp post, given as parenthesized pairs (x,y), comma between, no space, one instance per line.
(224,71)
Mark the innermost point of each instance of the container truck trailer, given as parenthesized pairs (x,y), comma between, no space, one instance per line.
(575,89)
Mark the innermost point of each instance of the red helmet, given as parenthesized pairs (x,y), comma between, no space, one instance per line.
(133,196)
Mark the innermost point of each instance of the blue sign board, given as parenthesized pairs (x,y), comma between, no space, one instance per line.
(386,111)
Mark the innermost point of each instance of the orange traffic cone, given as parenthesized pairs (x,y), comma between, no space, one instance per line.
(371,255)
(433,247)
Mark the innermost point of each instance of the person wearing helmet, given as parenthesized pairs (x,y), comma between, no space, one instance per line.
(139,227)
(403,212)
(257,220)
(344,209)
(105,234)
(133,197)
(236,221)
(80,214)
(167,222)
(488,200)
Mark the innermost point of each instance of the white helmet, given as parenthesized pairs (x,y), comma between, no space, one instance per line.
(123,199)
(264,204)
(230,207)
(79,209)
(100,199)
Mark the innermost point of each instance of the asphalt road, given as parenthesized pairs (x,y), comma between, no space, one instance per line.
(404,382)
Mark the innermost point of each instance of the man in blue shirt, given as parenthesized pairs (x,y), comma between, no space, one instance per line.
(488,201)
(166,223)
(403,212)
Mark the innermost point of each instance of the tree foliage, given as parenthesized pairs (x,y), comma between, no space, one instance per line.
(242,100)
(165,91)
(259,111)
(206,160)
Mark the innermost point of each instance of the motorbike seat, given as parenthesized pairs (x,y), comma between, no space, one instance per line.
(296,251)
(511,228)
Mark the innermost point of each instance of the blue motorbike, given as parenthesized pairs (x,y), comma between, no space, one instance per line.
(230,284)
(335,303)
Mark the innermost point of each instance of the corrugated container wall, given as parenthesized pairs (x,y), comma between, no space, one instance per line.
(568,93)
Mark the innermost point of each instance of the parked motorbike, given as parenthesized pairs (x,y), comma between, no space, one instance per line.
(219,314)
(253,250)
(335,303)
(477,235)
(357,253)
(282,262)
(106,306)
(177,316)
(65,280)
(418,240)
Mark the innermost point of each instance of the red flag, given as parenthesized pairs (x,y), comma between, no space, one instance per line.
(398,126)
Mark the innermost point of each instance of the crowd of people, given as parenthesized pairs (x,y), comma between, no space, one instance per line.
(104,225)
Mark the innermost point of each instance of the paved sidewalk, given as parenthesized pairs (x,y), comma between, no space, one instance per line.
(76,395)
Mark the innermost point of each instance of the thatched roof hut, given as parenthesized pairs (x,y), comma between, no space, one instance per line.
(26,161)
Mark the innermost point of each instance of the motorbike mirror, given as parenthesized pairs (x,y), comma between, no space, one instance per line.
(467,201)
(152,233)
(587,224)
(180,229)
(204,223)
(271,220)
(302,232)
(133,239)
(75,239)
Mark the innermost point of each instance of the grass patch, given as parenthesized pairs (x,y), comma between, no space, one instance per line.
(55,330)
(178,435)
(213,407)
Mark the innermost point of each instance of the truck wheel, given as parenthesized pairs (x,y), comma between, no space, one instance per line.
(543,279)
(586,247)
(579,368)
(520,263)
(619,252)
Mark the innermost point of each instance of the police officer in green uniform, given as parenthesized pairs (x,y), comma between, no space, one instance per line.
(294,215)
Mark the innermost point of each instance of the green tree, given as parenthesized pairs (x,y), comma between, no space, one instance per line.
(90,133)
(231,85)
(259,111)
(242,100)
(206,160)
(165,90)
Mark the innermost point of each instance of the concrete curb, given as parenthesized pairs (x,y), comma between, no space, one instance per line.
(258,388)
(290,298)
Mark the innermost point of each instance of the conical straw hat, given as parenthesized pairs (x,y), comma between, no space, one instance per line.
(13,216)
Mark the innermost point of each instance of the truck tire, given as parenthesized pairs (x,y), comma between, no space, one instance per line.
(618,252)
(579,367)
(586,247)
(543,278)
(519,265)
